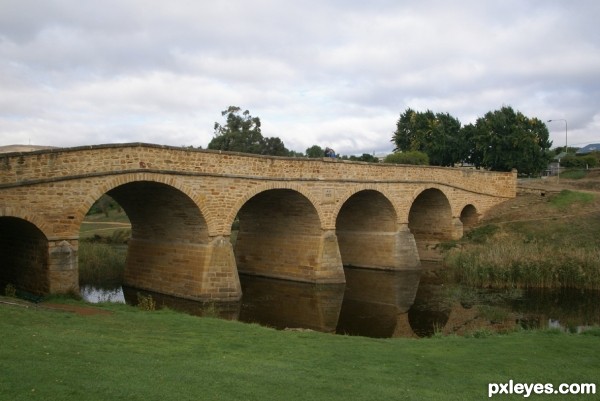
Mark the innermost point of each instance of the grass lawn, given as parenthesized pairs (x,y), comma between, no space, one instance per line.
(129,354)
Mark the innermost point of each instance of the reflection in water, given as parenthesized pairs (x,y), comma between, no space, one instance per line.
(568,309)
(288,304)
(375,299)
(223,310)
(379,303)
(431,309)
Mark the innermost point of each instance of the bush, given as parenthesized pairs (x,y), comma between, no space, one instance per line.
(10,291)
(414,157)
(572,161)
(146,302)
(481,234)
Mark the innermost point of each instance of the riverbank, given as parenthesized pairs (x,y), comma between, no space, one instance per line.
(126,353)
(547,237)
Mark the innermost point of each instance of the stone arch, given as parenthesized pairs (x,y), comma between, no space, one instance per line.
(170,250)
(271,186)
(341,200)
(430,221)
(442,189)
(281,236)
(115,181)
(24,251)
(366,228)
(23,214)
(469,217)
(159,212)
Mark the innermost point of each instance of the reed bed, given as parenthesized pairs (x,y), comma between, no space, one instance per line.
(510,263)
(558,248)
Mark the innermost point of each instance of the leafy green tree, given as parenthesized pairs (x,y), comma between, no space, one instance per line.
(508,140)
(365,157)
(472,147)
(315,152)
(412,157)
(572,161)
(242,133)
(274,146)
(445,147)
(411,130)
(293,153)
(437,135)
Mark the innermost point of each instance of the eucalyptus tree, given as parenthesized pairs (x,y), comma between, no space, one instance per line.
(242,133)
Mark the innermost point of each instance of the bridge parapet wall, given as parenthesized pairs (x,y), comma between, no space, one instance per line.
(61,163)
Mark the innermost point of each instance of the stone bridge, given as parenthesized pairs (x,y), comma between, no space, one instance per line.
(299,219)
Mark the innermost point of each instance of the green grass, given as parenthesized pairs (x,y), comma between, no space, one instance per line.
(567,198)
(574,174)
(101,224)
(136,355)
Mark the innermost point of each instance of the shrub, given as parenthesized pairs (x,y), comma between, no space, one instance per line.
(572,161)
(146,302)
(481,234)
(10,291)
(413,157)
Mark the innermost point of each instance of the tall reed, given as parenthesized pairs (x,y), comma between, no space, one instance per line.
(512,262)
(101,265)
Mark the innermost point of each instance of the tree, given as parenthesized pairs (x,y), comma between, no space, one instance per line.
(506,140)
(242,133)
(293,153)
(437,135)
(411,130)
(365,157)
(472,146)
(315,152)
(274,146)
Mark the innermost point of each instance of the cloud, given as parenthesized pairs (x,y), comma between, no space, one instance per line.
(331,73)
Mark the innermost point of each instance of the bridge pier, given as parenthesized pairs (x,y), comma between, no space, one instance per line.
(406,253)
(63,272)
(221,281)
(457,228)
(313,258)
(187,270)
(329,267)
(384,250)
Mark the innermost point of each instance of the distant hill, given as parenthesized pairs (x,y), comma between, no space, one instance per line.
(22,148)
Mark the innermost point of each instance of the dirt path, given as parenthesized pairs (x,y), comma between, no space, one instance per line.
(532,202)
(81,310)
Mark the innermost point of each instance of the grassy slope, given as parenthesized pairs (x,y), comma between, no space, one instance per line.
(533,240)
(163,355)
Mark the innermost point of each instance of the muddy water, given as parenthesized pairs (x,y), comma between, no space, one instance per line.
(386,304)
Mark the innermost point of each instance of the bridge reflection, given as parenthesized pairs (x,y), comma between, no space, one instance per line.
(387,304)
(372,303)
(375,302)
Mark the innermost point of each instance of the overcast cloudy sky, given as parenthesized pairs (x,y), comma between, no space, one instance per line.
(329,72)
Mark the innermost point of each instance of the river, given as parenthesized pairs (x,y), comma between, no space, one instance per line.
(385,304)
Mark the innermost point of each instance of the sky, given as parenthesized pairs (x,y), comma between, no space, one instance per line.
(316,72)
